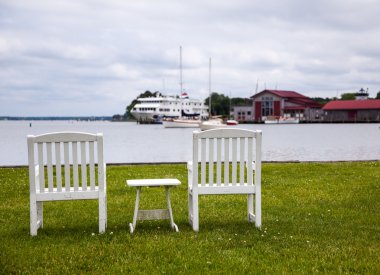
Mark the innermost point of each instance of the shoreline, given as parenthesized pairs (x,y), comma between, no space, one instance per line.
(184,163)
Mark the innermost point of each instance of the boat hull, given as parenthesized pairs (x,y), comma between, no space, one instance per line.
(178,123)
(209,125)
(282,121)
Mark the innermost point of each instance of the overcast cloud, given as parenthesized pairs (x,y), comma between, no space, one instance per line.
(94,57)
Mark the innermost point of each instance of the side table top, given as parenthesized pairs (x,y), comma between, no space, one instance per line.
(153,182)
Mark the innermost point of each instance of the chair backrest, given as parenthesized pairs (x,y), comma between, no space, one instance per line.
(66,161)
(225,157)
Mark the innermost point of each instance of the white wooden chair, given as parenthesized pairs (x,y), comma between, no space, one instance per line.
(62,166)
(225,161)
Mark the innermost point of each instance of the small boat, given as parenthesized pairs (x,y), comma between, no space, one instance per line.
(213,123)
(281,120)
(232,122)
(181,123)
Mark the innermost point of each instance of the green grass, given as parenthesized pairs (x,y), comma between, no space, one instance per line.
(317,218)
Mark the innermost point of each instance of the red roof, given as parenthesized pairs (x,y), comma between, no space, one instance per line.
(352,104)
(292,97)
(281,93)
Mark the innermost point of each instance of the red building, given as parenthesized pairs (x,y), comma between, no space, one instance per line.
(352,110)
(278,103)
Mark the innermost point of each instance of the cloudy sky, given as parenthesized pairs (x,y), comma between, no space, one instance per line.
(92,57)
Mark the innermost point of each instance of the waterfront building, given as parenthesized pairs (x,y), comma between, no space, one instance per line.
(285,104)
(357,110)
(243,113)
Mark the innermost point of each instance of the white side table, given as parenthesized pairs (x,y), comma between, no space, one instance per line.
(153,214)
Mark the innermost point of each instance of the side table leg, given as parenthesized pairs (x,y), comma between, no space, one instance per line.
(173,225)
(132,226)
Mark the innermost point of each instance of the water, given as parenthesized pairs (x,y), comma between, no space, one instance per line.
(131,143)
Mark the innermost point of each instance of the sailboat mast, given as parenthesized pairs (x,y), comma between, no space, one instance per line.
(180,71)
(209,88)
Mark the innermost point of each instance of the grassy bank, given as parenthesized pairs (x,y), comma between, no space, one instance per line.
(317,217)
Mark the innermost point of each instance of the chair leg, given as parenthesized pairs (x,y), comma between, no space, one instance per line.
(195,212)
(258,210)
(40,214)
(33,217)
(250,208)
(102,214)
(190,206)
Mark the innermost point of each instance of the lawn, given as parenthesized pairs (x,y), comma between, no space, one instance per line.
(317,218)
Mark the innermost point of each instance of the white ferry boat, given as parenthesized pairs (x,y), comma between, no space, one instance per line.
(153,109)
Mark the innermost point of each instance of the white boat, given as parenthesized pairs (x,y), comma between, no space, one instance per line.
(281,120)
(181,123)
(155,108)
(215,122)
(212,124)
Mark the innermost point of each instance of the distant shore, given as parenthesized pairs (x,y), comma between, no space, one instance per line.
(81,118)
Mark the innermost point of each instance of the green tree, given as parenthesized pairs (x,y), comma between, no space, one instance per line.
(322,100)
(348,96)
(378,95)
(238,101)
(220,104)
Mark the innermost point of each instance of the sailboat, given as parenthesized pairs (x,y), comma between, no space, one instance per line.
(213,122)
(183,121)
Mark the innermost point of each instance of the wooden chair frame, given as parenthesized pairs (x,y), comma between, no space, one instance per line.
(215,155)
(68,174)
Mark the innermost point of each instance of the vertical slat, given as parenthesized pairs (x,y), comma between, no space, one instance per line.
(32,171)
(242,160)
(67,165)
(226,161)
(92,166)
(249,161)
(219,161)
(41,167)
(101,163)
(83,164)
(258,179)
(195,163)
(75,164)
(58,170)
(234,166)
(211,161)
(49,166)
(203,161)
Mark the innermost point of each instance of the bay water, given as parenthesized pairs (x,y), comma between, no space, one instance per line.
(128,142)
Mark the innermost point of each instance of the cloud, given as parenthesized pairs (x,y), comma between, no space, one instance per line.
(96,56)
